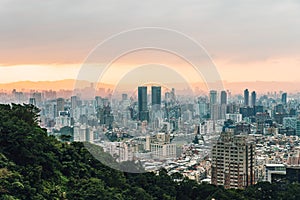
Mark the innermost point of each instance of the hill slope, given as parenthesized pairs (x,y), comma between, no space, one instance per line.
(36,166)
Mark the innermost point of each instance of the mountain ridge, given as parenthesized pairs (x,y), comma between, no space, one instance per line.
(234,87)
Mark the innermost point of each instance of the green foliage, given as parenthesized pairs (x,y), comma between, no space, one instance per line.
(36,166)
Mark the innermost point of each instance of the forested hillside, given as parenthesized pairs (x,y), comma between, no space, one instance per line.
(36,166)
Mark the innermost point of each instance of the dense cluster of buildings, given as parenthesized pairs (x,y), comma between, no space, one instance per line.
(223,139)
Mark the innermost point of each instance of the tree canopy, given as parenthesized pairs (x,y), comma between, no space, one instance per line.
(36,166)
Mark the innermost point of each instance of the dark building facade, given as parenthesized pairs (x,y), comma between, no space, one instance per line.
(60,105)
(253,98)
(143,103)
(223,97)
(156,97)
(246,97)
(293,174)
(284,98)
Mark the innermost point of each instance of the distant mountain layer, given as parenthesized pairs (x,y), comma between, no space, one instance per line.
(234,87)
(68,84)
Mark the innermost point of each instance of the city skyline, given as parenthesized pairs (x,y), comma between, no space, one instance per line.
(133,99)
(260,87)
(219,138)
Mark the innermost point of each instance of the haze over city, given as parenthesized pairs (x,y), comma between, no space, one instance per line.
(131,99)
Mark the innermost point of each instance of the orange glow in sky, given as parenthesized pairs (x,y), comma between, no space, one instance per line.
(50,41)
(273,69)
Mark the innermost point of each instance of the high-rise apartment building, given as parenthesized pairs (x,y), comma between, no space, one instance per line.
(233,161)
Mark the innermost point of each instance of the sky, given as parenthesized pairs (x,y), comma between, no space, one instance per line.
(246,40)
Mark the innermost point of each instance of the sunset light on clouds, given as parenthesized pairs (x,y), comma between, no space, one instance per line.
(247,40)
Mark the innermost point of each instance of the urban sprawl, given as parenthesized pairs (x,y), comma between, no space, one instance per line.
(218,138)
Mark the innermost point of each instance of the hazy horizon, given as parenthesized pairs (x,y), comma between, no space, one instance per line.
(261,87)
(247,41)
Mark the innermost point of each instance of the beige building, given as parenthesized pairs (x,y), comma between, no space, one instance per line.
(163,151)
(160,146)
(233,160)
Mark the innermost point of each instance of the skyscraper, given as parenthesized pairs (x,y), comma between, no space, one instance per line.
(124,97)
(98,102)
(32,101)
(223,107)
(38,98)
(73,105)
(73,102)
(213,97)
(246,97)
(284,98)
(156,97)
(253,98)
(60,105)
(223,97)
(173,96)
(233,161)
(142,103)
(214,107)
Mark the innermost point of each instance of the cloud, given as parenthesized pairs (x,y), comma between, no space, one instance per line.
(65,31)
